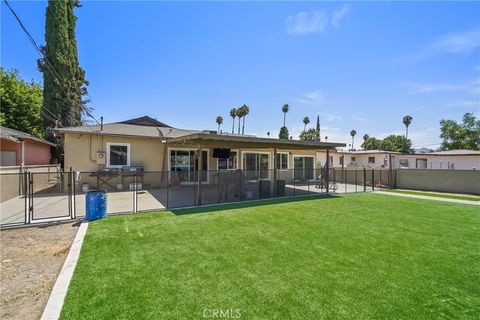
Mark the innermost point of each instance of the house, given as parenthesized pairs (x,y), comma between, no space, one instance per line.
(20,149)
(379,159)
(451,159)
(156,147)
(370,159)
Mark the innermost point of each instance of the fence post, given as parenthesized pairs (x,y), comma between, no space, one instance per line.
(30,198)
(364,180)
(25,194)
(373,180)
(327,170)
(356,180)
(168,186)
(69,192)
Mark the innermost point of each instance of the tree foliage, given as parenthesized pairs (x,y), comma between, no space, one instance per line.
(461,136)
(309,135)
(20,103)
(283,134)
(395,143)
(64,84)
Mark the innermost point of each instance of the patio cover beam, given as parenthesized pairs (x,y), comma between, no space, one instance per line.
(254,142)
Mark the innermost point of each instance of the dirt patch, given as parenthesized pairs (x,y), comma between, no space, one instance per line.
(30,261)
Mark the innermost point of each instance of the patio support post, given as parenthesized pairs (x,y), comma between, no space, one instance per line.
(327,170)
(275,177)
(198,176)
(373,180)
(364,180)
(390,171)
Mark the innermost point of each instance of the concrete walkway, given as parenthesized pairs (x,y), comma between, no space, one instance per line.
(57,296)
(475,203)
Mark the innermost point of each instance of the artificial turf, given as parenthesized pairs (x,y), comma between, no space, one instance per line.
(437,195)
(358,256)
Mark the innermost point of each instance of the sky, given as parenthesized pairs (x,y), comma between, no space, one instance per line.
(358,65)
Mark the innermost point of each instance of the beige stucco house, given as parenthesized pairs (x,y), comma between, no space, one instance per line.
(157,147)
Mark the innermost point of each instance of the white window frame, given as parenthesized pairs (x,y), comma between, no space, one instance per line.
(238,166)
(189,149)
(288,161)
(123,144)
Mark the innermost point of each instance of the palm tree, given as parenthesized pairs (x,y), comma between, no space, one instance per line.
(239,116)
(246,111)
(365,137)
(306,121)
(353,133)
(406,121)
(268,134)
(233,114)
(284,110)
(219,121)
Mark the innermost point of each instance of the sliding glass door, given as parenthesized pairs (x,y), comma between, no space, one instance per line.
(184,164)
(256,165)
(303,168)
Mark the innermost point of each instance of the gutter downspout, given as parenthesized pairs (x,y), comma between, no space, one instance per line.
(23,154)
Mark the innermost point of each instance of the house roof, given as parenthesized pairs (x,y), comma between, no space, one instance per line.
(18,136)
(123,129)
(146,127)
(369,152)
(460,152)
(146,121)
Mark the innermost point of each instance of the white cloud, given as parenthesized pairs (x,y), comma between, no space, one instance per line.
(464,104)
(307,22)
(317,21)
(435,88)
(472,87)
(315,98)
(460,42)
(339,14)
(359,118)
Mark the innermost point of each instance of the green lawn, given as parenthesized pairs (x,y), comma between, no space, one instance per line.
(438,195)
(358,256)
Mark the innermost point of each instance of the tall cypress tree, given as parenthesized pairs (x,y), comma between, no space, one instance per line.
(64,83)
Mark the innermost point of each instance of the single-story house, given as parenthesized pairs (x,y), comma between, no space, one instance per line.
(156,147)
(370,159)
(20,149)
(378,159)
(451,159)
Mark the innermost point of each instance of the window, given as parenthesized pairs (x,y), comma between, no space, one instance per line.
(255,165)
(118,154)
(331,161)
(229,163)
(371,159)
(282,161)
(403,163)
(354,159)
(341,160)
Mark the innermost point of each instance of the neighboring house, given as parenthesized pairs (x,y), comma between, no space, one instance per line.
(370,159)
(156,147)
(20,149)
(452,159)
(378,159)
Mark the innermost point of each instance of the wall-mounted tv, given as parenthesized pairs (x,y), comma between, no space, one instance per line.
(221,153)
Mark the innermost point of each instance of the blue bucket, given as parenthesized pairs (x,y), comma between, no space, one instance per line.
(96,204)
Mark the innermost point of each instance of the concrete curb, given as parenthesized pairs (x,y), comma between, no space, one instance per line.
(475,203)
(57,296)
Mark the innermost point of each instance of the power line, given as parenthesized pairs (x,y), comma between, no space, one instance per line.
(54,74)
